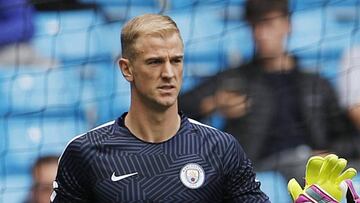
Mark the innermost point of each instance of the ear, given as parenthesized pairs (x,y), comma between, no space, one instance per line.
(125,67)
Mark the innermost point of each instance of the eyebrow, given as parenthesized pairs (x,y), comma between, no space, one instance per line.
(178,56)
(161,58)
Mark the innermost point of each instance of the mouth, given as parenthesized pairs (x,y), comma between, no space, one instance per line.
(166,88)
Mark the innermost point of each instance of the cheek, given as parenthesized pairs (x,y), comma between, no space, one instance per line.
(144,80)
(179,70)
(142,75)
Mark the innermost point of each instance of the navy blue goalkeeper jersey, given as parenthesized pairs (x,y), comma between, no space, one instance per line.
(198,164)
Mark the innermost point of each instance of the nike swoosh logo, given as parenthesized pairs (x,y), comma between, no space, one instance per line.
(115,178)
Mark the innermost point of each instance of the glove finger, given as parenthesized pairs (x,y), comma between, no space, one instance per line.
(294,189)
(347,174)
(328,165)
(313,167)
(340,166)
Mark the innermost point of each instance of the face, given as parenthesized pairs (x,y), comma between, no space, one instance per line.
(155,73)
(43,178)
(270,34)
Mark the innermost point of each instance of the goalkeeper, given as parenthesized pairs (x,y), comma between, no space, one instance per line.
(153,153)
(325,181)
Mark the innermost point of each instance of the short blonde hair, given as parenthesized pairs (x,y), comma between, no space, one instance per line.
(147,24)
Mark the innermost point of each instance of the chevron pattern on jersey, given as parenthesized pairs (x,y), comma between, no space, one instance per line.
(155,168)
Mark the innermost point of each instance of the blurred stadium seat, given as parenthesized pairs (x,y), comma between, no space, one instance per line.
(26,138)
(112,91)
(129,3)
(14,188)
(356,182)
(70,35)
(49,91)
(274,185)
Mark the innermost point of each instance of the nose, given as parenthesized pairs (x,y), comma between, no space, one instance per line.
(167,70)
(260,32)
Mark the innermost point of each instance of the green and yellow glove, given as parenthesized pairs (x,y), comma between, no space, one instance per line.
(323,180)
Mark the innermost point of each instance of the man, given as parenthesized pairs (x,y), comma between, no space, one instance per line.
(349,83)
(153,153)
(43,174)
(280,114)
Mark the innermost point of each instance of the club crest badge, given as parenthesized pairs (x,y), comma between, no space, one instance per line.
(192,175)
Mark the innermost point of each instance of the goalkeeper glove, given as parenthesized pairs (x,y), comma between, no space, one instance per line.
(325,181)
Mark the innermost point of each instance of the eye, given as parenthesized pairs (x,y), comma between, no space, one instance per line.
(154,61)
(177,60)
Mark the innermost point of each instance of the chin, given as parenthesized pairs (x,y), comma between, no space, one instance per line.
(166,103)
(269,56)
(269,53)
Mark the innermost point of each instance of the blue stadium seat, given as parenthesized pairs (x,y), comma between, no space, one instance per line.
(204,53)
(14,188)
(112,92)
(33,90)
(238,41)
(319,51)
(53,22)
(356,182)
(125,11)
(132,3)
(297,5)
(70,35)
(26,138)
(109,35)
(274,185)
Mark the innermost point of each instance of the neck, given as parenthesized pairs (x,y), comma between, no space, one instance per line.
(153,126)
(281,63)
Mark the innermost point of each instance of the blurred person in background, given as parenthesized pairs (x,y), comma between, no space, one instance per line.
(349,83)
(61,5)
(280,114)
(16,32)
(43,174)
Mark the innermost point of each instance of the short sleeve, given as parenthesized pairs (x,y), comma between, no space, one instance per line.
(241,185)
(72,182)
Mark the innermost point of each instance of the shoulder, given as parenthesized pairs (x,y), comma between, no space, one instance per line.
(204,128)
(237,71)
(213,136)
(313,78)
(83,142)
(225,146)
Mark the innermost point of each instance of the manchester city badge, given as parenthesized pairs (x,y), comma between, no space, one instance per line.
(192,175)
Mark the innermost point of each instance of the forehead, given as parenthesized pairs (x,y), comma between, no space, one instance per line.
(157,44)
(269,17)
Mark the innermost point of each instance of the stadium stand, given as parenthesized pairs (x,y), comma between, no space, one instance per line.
(42,109)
